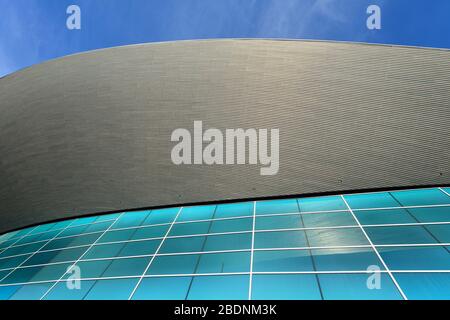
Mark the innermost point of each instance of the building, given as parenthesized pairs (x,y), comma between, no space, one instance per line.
(87,177)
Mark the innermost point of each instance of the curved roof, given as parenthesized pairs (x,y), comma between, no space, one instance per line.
(91,132)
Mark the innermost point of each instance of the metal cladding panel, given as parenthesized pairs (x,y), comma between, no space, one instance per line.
(91,132)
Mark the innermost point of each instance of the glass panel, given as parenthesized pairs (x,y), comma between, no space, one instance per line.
(279,222)
(192,244)
(336,237)
(276,206)
(228,242)
(425,286)
(421,197)
(321,204)
(104,251)
(435,214)
(371,200)
(440,232)
(416,258)
(386,216)
(285,287)
(90,269)
(224,262)
(219,288)
(345,259)
(196,213)
(244,224)
(13,261)
(329,219)
(127,267)
(234,210)
(150,232)
(119,235)
(117,289)
(399,235)
(181,229)
(131,219)
(139,248)
(167,288)
(7,291)
(354,287)
(280,239)
(182,264)
(161,216)
(282,260)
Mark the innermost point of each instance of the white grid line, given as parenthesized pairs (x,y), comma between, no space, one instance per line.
(376,251)
(444,191)
(74,264)
(252,252)
(153,258)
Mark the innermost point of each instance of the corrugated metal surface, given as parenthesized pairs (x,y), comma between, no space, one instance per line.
(91,132)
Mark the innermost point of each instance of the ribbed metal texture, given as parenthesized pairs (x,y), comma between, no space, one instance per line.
(91,132)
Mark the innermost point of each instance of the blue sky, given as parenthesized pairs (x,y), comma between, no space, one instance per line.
(32,31)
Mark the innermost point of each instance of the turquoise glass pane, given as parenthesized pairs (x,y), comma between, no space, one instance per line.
(433,214)
(399,235)
(21,250)
(219,288)
(345,259)
(191,228)
(161,216)
(117,289)
(231,225)
(354,287)
(421,197)
(119,235)
(329,219)
(196,213)
(285,287)
(131,219)
(104,251)
(385,216)
(416,258)
(173,245)
(371,200)
(279,239)
(224,262)
(425,286)
(139,248)
(181,264)
(282,260)
(228,242)
(279,222)
(31,291)
(336,237)
(167,288)
(321,204)
(127,267)
(441,232)
(150,232)
(228,210)
(62,292)
(276,206)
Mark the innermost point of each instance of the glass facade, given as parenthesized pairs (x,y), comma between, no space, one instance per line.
(381,245)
